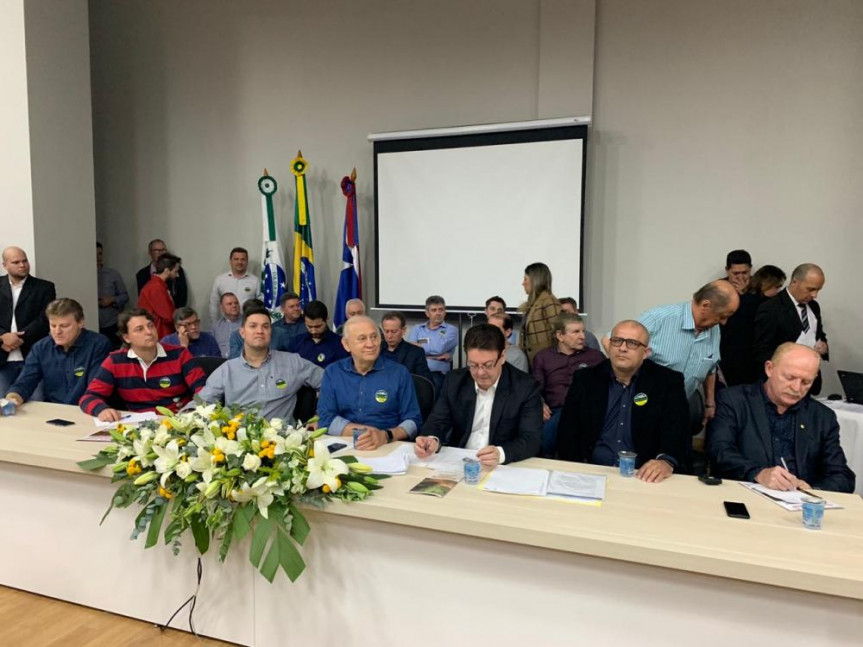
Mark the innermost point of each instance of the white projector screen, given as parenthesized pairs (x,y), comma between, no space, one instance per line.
(462,216)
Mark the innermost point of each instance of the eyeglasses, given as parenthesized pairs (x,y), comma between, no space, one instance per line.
(631,344)
(475,368)
(191,324)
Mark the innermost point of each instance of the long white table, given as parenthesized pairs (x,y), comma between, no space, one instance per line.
(655,564)
(850,417)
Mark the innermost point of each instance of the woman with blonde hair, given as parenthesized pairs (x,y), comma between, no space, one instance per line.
(539,310)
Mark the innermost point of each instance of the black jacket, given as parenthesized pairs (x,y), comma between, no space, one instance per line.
(29,313)
(516,415)
(411,357)
(740,444)
(778,321)
(659,426)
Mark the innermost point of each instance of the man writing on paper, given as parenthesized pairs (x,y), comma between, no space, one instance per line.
(771,433)
(490,406)
(366,391)
(268,379)
(627,403)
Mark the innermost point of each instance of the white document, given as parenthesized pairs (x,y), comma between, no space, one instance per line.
(577,486)
(789,500)
(516,480)
(127,419)
(394,463)
(448,459)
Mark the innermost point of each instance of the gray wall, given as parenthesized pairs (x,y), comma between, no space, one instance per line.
(718,124)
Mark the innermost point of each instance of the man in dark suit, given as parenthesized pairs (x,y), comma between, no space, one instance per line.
(772,434)
(394,346)
(23,299)
(793,315)
(489,406)
(627,403)
(177,287)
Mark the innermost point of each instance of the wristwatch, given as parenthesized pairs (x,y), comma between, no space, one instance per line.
(389,433)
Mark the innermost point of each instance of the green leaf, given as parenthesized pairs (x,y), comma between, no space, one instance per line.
(348,459)
(263,530)
(227,539)
(200,533)
(299,527)
(96,463)
(155,526)
(289,557)
(117,436)
(243,521)
(271,563)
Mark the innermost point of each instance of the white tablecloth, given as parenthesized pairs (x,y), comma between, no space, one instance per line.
(850,418)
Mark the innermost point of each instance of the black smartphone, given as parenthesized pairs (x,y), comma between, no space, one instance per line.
(710,480)
(736,510)
(336,447)
(59,422)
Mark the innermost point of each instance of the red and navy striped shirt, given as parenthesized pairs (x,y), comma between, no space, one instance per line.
(170,381)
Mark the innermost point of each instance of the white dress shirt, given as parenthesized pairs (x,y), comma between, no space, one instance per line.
(480,431)
(16,355)
(807,338)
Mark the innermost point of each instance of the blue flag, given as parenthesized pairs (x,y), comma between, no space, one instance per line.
(350,278)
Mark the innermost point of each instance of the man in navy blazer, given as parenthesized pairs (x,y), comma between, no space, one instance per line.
(489,406)
(394,346)
(627,403)
(792,315)
(772,434)
(23,299)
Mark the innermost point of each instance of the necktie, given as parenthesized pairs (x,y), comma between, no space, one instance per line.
(804,318)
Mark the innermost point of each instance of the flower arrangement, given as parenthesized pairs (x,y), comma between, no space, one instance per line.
(223,473)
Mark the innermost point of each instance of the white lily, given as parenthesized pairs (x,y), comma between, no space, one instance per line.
(294,440)
(261,491)
(169,458)
(229,447)
(183,469)
(203,463)
(276,423)
(251,462)
(204,439)
(324,470)
(162,436)
(205,411)
(141,449)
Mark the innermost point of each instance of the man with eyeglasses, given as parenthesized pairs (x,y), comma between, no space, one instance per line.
(190,336)
(627,403)
(490,406)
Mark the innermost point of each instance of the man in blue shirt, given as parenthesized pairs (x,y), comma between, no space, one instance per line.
(66,361)
(292,316)
(319,345)
(189,335)
(365,391)
(437,338)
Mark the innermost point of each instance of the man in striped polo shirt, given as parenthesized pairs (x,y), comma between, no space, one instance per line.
(685,338)
(145,376)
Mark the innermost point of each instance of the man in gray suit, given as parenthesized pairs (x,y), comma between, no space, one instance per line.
(773,434)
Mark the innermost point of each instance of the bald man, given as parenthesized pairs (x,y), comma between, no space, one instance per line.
(771,433)
(23,299)
(685,337)
(793,315)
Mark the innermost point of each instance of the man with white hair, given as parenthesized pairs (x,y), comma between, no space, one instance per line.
(367,392)
(771,433)
(353,308)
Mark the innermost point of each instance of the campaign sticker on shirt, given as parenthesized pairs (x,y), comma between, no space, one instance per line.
(165,382)
(321,357)
(640,399)
(79,371)
(247,289)
(581,366)
(442,332)
(380,396)
(281,384)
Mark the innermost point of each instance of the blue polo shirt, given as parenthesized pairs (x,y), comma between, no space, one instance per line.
(383,398)
(66,374)
(435,341)
(323,353)
(204,346)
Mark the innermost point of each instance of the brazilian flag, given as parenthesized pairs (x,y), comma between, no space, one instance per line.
(304,256)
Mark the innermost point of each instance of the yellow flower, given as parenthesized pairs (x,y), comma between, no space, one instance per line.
(265,444)
(164,493)
(132,468)
(121,429)
(167,423)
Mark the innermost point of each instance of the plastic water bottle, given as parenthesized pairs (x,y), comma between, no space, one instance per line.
(7,407)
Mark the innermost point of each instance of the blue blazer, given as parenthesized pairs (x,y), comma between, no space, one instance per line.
(740,445)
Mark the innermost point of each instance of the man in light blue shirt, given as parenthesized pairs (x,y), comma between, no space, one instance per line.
(367,392)
(437,338)
(261,377)
(685,337)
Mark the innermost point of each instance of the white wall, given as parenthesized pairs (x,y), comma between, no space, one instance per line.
(718,124)
(193,99)
(727,124)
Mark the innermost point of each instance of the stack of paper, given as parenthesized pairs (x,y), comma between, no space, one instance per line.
(505,479)
(394,463)
(127,419)
(789,500)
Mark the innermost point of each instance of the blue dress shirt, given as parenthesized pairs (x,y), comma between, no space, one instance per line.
(322,353)
(616,433)
(65,374)
(204,346)
(383,398)
(437,341)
